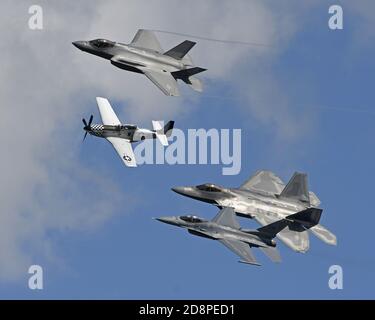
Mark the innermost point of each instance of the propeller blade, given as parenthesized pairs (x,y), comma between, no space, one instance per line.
(84,122)
(84,137)
(90,120)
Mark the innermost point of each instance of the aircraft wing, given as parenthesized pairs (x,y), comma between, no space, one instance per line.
(269,182)
(227,217)
(297,241)
(242,249)
(106,112)
(264,181)
(147,40)
(164,81)
(124,150)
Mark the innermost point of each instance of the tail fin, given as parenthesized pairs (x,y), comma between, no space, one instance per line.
(307,218)
(186,75)
(168,128)
(179,51)
(271,230)
(272,253)
(299,222)
(297,188)
(163,133)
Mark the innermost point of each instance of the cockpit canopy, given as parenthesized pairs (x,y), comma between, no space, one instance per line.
(124,127)
(193,219)
(102,43)
(210,187)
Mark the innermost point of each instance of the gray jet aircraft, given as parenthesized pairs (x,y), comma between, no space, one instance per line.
(145,55)
(265,198)
(122,135)
(225,228)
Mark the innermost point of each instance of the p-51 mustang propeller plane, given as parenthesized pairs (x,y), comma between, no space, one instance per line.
(122,135)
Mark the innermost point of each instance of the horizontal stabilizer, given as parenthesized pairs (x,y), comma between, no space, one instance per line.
(323,234)
(161,131)
(271,253)
(179,51)
(297,188)
(196,84)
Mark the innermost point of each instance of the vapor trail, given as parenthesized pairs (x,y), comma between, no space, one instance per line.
(236,42)
(321,107)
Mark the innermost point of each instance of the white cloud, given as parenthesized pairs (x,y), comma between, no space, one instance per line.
(46,83)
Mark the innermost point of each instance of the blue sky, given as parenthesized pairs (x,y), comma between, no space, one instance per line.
(326,78)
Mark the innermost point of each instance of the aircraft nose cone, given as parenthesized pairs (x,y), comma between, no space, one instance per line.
(78,44)
(179,190)
(168,220)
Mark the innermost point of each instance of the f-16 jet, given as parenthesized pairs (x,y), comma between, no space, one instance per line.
(225,228)
(265,198)
(145,55)
(122,135)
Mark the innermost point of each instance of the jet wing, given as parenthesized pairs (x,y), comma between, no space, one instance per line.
(264,181)
(241,249)
(124,150)
(106,112)
(164,81)
(147,40)
(227,217)
(297,241)
(269,182)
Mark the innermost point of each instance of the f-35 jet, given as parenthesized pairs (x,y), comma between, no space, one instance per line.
(265,198)
(145,55)
(225,228)
(122,135)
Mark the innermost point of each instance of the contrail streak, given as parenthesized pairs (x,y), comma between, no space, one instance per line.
(235,42)
(321,107)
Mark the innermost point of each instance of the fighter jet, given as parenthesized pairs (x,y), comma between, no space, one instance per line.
(225,228)
(122,135)
(145,55)
(265,198)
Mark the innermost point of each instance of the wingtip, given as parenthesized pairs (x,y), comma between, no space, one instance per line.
(250,263)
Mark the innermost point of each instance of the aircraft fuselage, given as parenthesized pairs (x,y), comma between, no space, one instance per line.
(131,58)
(128,132)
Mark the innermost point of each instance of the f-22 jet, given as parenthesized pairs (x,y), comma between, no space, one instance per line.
(122,135)
(265,198)
(225,228)
(145,55)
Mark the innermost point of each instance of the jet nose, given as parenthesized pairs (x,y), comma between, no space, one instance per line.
(180,190)
(79,44)
(168,220)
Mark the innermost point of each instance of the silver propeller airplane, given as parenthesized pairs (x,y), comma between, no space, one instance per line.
(225,228)
(122,135)
(265,198)
(145,55)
